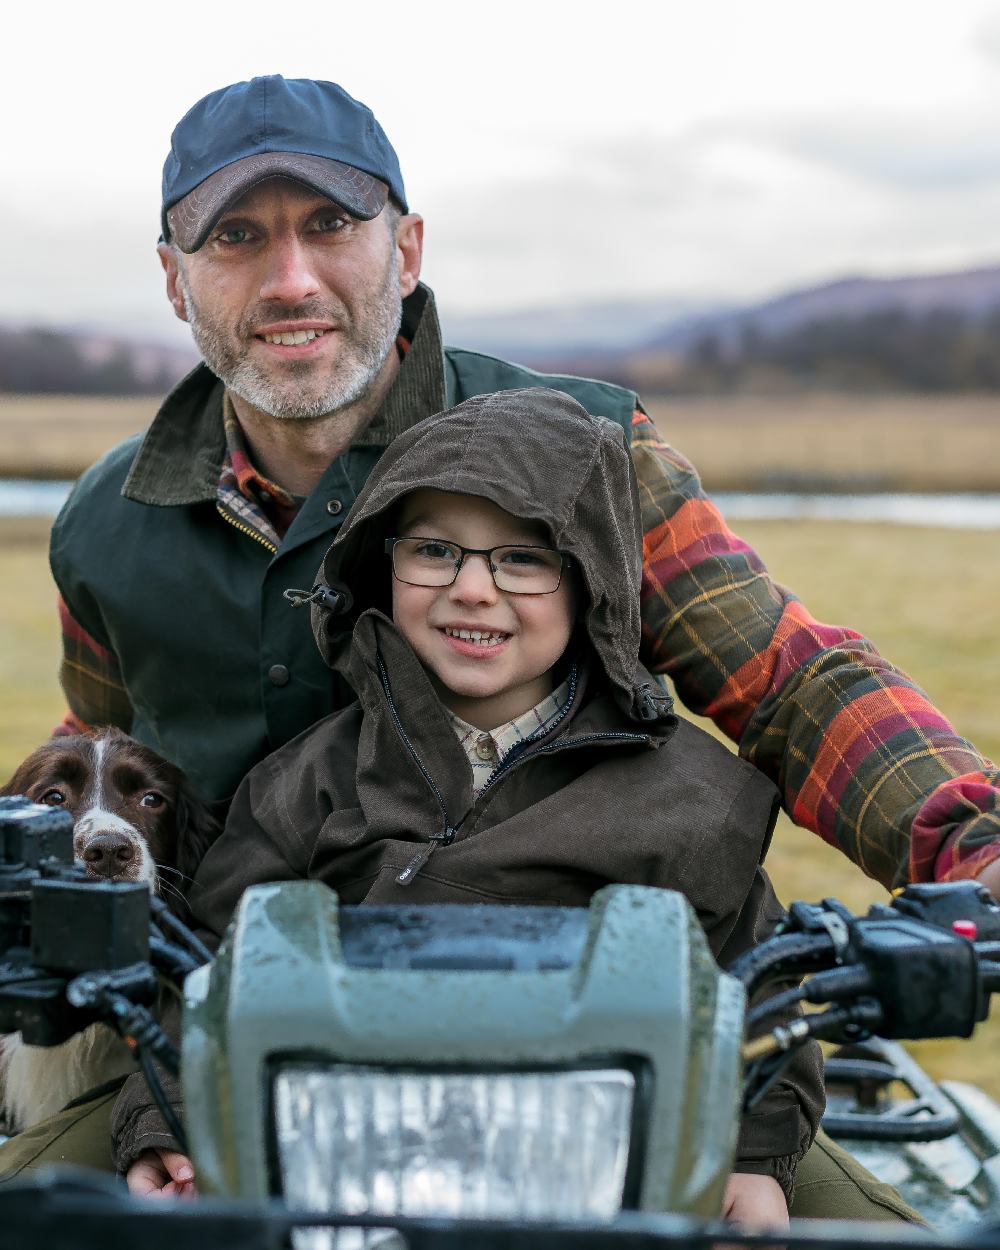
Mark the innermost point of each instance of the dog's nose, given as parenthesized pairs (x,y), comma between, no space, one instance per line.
(108,855)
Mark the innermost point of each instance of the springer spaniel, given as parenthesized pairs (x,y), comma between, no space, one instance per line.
(136,819)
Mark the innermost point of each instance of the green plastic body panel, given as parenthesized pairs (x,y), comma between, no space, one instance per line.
(646,987)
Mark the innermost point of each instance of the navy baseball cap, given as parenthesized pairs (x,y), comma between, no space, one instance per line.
(300,128)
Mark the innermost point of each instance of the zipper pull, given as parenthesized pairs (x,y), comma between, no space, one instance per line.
(420,859)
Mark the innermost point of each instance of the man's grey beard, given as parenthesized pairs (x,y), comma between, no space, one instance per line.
(301,390)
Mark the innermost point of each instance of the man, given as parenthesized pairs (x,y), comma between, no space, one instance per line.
(289,249)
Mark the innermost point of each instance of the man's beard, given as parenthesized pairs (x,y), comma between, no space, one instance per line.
(301,389)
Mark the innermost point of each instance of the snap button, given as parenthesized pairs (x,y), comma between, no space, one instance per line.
(333,506)
(486,748)
(279,675)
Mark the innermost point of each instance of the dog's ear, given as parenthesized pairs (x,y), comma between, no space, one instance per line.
(21,780)
(197,829)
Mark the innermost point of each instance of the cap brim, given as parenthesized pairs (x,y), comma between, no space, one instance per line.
(189,222)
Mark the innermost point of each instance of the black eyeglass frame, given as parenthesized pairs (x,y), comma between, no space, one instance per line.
(565,559)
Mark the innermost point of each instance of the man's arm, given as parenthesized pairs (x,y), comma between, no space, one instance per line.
(91,680)
(859,753)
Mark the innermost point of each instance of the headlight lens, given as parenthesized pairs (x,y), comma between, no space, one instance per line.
(543,1145)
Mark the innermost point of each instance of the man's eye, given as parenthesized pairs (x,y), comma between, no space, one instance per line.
(330,224)
(53,798)
(238,234)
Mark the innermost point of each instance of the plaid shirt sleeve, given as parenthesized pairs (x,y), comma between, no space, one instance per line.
(91,681)
(859,753)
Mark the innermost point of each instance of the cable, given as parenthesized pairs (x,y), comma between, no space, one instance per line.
(789,998)
(768,1070)
(176,963)
(780,956)
(167,920)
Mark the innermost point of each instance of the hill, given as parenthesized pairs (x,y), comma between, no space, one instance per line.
(929,332)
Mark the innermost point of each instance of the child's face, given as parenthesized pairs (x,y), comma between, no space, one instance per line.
(487,683)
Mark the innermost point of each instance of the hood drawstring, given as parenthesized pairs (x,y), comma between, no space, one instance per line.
(652,702)
(335,601)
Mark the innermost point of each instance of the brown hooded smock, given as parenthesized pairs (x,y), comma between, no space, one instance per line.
(377,800)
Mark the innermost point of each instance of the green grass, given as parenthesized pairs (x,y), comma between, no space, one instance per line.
(928,598)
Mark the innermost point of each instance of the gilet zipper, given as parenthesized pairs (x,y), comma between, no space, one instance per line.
(245,529)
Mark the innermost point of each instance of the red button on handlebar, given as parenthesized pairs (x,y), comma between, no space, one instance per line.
(964,928)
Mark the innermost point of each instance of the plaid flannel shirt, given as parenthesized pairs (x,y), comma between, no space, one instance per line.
(859,753)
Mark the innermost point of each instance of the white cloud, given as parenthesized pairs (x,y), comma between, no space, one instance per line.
(558,151)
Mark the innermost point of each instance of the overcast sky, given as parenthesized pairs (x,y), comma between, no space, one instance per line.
(560,152)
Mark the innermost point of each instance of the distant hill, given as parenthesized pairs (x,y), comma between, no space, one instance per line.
(935,332)
(541,333)
(974,293)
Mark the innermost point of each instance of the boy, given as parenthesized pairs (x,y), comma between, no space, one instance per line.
(482,600)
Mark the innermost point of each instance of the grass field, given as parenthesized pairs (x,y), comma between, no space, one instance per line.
(811,441)
(57,436)
(837,442)
(927,597)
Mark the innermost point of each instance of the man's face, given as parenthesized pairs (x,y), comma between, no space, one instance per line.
(294,304)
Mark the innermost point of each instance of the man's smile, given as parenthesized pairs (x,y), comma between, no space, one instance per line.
(302,338)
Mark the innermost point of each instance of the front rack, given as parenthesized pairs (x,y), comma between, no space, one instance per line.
(868,1069)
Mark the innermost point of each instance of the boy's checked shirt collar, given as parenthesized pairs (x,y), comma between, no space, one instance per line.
(485,749)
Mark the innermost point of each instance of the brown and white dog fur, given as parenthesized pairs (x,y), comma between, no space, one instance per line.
(135,819)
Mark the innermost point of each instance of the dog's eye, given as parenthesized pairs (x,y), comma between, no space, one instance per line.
(151,799)
(52,798)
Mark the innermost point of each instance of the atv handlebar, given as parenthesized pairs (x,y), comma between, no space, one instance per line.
(913,969)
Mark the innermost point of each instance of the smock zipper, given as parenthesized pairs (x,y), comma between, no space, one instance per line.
(518,749)
(406,876)
(571,745)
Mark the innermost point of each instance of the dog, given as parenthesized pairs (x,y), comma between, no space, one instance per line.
(135,819)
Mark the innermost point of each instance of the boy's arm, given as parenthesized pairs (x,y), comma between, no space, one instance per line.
(859,753)
(755,1201)
(782,1126)
(252,850)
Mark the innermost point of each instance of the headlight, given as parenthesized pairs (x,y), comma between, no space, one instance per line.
(530,1145)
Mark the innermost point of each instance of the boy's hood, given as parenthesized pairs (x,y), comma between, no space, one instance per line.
(542,457)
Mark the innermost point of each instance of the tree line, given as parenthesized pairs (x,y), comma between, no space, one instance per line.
(57,362)
(937,351)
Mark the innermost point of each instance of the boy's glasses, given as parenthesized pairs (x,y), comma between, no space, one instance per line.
(523,570)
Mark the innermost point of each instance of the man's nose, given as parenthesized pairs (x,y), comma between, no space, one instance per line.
(289,277)
(474,583)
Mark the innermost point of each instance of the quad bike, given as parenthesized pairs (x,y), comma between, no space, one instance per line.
(422,1078)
